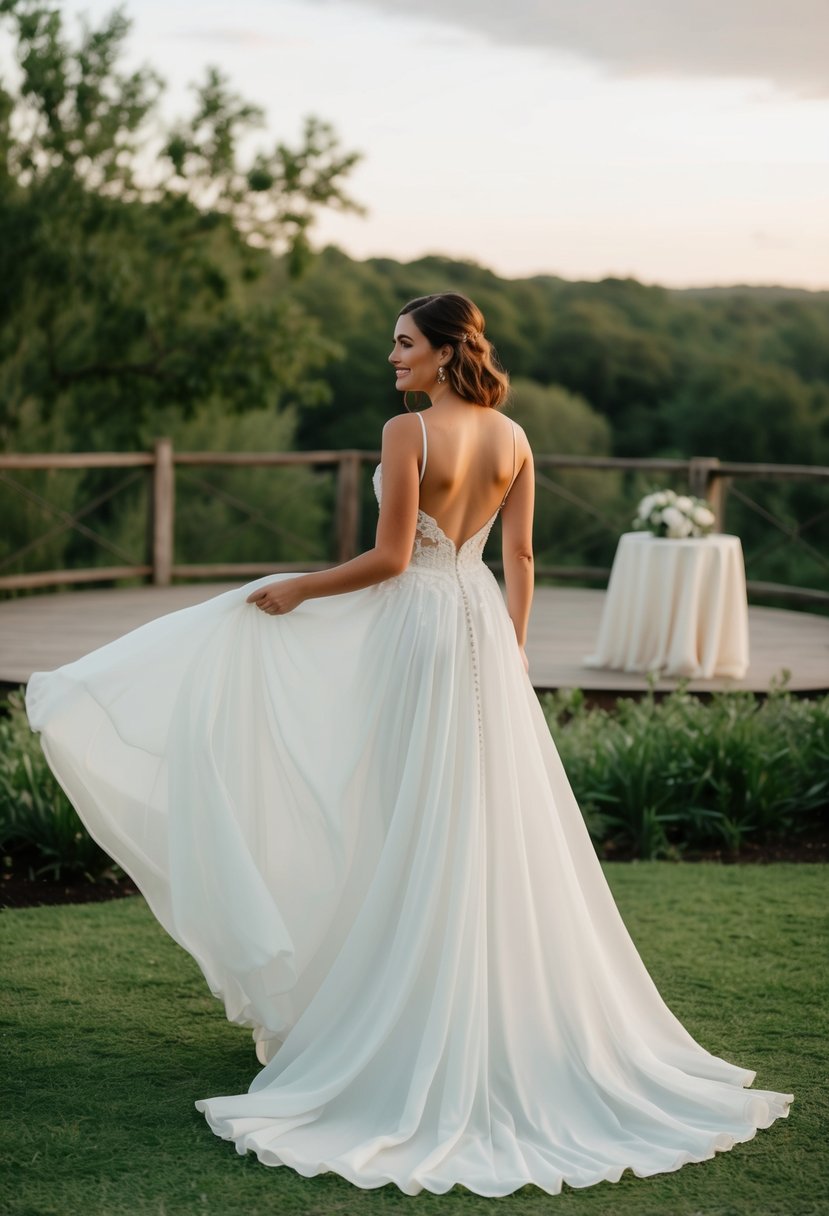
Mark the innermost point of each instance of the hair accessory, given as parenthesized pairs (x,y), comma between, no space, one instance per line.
(472,336)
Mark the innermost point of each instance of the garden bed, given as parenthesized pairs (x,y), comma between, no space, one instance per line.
(735,779)
(19,891)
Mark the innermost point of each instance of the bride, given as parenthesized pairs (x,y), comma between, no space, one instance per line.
(339,794)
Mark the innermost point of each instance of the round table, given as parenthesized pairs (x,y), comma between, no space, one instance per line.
(675,606)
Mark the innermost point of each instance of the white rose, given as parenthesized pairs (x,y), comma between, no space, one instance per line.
(676,523)
(703,517)
(646,506)
(662,498)
(684,503)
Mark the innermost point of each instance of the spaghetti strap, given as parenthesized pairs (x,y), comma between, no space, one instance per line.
(514,450)
(425,446)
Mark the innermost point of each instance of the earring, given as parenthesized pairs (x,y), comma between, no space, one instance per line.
(441,375)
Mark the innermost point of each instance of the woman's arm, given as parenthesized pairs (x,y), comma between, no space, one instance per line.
(395,530)
(517,545)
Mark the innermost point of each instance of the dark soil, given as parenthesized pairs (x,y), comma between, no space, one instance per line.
(811,845)
(798,848)
(19,891)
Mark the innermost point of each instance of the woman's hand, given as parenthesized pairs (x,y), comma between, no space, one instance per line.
(278,598)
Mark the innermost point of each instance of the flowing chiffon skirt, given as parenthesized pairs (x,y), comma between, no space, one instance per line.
(354,818)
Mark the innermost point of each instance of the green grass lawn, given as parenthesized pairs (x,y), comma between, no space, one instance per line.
(109,1034)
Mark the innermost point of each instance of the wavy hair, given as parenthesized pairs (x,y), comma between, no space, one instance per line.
(449,319)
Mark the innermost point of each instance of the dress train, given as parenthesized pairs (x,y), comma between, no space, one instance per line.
(354,818)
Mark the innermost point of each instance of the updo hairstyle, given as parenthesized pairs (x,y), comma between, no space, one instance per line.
(449,319)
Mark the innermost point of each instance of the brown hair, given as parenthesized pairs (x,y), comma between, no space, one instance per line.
(449,319)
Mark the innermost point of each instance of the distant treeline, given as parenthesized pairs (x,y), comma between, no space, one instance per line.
(741,373)
(608,368)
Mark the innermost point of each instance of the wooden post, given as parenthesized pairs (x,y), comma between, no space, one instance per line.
(164,499)
(705,481)
(348,505)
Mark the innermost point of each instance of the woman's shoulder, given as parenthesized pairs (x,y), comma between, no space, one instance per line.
(401,424)
(401,433)
(520,433)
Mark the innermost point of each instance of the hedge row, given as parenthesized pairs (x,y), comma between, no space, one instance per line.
(657,778)
(653,778)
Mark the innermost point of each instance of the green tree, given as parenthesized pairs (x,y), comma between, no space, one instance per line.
(237,514)
(130,268)
(125,290)
(745,411)
(596,352)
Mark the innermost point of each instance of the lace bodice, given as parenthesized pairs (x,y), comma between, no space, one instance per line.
(432,548)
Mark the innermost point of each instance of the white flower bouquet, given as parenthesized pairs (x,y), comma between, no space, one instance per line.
(666,513)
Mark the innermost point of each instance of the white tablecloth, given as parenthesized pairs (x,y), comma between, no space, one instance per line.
(677,606)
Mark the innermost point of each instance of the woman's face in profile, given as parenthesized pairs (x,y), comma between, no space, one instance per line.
(414,359)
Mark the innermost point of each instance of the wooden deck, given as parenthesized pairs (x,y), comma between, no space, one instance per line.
(38,633)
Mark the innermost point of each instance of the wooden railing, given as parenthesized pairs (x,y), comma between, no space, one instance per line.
(161,464)
(706,477)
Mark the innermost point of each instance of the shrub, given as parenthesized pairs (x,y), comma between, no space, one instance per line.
(36,818)
(657,778)
(652,778)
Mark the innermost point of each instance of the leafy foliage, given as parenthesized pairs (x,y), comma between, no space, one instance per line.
(653,779)
(659,778)
(130,300)
(128,290)
(735,373)
(35,814)
(227,514)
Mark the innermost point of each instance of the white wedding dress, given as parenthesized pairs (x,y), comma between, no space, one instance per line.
(354,818)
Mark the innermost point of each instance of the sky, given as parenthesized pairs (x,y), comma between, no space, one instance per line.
(682,142)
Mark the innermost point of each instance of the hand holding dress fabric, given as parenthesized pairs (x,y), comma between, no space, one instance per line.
(278,599)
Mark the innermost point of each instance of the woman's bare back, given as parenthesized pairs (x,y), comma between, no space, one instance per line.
(471,463)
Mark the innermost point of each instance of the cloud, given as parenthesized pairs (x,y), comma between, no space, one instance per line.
(783,41)
(770,240)
(236,36)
